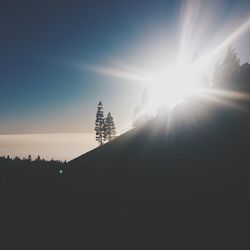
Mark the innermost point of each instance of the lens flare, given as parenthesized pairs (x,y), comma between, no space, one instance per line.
(171,86)
(201,40)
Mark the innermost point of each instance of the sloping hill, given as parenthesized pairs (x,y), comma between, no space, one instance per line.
(176,175)
(191,165)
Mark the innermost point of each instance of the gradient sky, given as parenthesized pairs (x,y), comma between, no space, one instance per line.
(48,47)
(41,90)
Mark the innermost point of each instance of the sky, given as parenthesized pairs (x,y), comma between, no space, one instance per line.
(60,58)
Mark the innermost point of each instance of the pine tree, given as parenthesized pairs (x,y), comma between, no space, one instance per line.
(38,158)
(99,123)
(231,63)
(228,69)
(109,128)
(29,158)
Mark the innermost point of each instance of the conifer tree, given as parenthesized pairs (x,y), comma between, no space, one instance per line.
(29,158)
(38,158)
(228,68)
(109,128)
(99,123)
(231,62)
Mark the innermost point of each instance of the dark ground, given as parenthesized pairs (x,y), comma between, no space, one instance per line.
(181,179)
(153,180)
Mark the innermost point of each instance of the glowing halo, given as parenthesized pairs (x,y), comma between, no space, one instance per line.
(169,85)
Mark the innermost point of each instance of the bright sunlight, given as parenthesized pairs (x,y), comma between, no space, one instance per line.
(179,78)
(172,86)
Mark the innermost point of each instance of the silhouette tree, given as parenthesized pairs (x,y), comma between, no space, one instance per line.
(99,124)
(228,69)
(17,158)
(29,158)
(231,62)
(109,128)
(38,158)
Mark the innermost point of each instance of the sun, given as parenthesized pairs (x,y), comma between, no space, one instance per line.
(171,86)
(194,58)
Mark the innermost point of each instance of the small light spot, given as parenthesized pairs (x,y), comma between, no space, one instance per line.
(60,171)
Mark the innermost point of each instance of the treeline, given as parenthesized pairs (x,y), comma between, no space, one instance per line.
(38,161)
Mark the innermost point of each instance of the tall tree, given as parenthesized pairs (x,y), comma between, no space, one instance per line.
(99,123)
(29,158)
(231,62)
(38,158)
(229,68)
(109,128)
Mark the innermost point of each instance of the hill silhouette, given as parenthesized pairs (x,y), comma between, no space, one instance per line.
(183,171)
(191,165)
(187,168)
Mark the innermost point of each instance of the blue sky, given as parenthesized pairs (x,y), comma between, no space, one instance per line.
(42,89)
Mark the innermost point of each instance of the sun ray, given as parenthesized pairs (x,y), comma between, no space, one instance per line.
(170,85)
(208,56)
(116,72)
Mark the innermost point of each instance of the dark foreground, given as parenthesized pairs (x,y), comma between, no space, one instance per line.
(157,180)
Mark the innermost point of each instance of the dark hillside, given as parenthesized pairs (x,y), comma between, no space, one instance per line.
(154,180)
(193,166)
(188,169)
